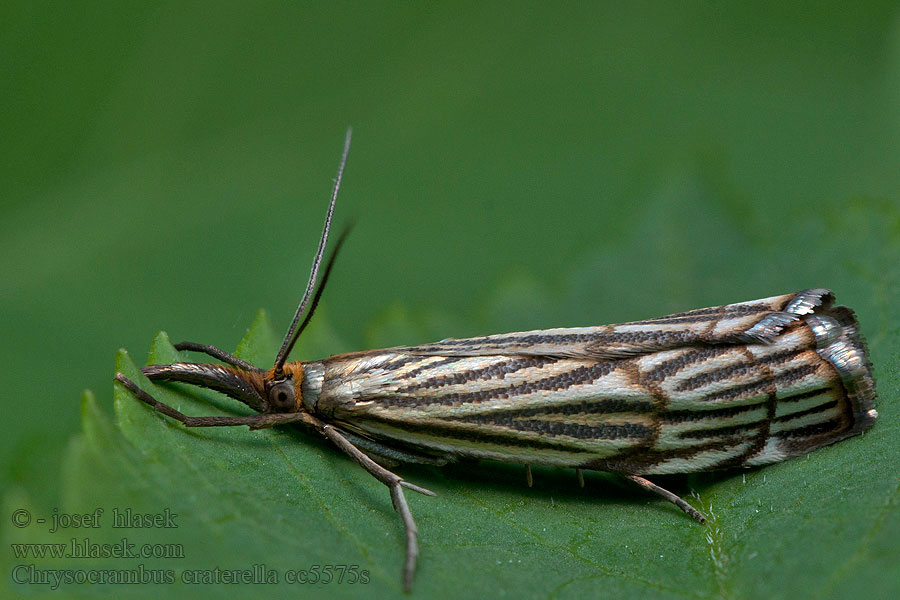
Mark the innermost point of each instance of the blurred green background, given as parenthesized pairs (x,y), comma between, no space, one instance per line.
(166,165)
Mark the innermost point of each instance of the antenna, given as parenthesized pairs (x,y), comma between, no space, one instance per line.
(318,294)
(290,337)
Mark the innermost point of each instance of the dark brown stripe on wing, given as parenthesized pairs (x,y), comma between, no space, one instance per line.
(681,416)
(499,342)
(656,337)
(702,379)
(494,371)
(700,312)
(481,437)
(578,376)
(813,430)
(574,430)
(641,460)
(760,386)
(726,311)
(809,411)
(561,339)
(396,363)
(682,320)
(807,395)
(671,367)
(580,407)
(426,365)
(730,430)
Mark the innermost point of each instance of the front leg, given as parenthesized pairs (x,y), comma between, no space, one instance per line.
(253,421)
(394,482)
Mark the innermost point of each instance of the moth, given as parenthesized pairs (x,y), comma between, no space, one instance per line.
(736,385)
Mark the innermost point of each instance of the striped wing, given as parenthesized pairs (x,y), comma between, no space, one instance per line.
(790,381)
(754,321)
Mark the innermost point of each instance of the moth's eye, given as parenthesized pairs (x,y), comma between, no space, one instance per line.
(281,396)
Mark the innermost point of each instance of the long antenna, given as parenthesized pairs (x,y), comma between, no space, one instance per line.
(318,294)
(314,272)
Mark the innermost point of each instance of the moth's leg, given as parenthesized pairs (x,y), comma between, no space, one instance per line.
(217,353)
(674,499)
(395,483)
(528,478)
(254,421)
(580,475)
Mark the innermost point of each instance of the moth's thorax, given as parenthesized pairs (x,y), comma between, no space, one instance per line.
(310,385)
(346,380)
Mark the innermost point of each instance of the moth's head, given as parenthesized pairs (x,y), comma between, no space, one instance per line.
(263,391)
(278,390)
(282,388)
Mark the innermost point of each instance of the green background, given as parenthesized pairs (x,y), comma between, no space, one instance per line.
(166,165)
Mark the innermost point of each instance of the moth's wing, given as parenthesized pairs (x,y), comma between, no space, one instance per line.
(736,393)
(756,321)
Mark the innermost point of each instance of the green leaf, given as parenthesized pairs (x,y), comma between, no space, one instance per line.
(823,525)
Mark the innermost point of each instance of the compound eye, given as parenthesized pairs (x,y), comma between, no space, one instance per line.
(281,397)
